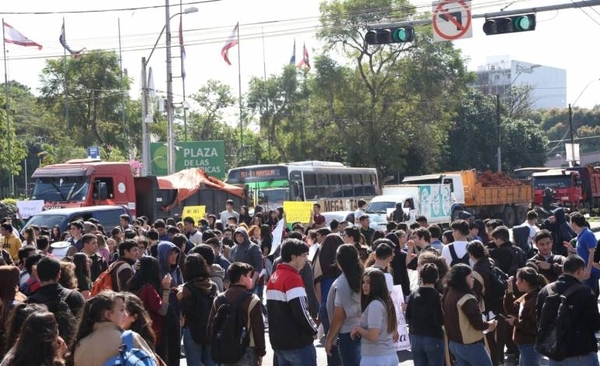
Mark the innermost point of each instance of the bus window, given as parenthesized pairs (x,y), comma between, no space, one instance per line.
(368,185)
(347,183)
(323,182)
(310,179)
(336,186)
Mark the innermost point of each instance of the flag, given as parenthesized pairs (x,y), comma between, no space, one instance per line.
(181,47)
(11,35)
(63,41)
(293,58)
(305,59)
(232,41)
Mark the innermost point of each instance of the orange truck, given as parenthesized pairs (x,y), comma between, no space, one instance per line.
(484,195)
(91,182)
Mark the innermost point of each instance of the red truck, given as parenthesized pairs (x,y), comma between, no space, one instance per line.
(577,186)
(91,182)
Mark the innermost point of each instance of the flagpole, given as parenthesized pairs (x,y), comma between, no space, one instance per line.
(125,142)
(240,94)
(266,98)
(66,67)
(11,178)
(181,56)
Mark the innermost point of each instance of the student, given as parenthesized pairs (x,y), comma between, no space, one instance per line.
(378,325)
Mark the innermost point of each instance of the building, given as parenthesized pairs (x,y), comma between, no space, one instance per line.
(549,84)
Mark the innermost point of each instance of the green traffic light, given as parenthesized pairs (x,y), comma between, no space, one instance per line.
(402,35)
(523,23)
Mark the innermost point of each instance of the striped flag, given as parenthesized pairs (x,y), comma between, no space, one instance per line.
(305,59)
(293,58)
(181,47)
(11,35)
(232,41)
(63,41)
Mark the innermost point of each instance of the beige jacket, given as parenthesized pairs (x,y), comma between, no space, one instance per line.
(103,344)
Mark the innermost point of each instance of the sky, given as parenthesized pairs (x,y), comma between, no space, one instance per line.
(268,29)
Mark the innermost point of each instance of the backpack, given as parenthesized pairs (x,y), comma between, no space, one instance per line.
(229,336)
(455,259)
(199,310)
(104,281)
(554,323)
(62,312)
(518,259)
(129,355)
(498,285)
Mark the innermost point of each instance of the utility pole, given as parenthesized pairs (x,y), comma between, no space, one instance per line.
(145,135)
(169,106)
(499,127)
(573,160)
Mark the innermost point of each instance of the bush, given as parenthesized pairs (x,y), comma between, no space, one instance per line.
(8,207)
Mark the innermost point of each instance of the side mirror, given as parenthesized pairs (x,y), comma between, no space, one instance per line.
(102,191)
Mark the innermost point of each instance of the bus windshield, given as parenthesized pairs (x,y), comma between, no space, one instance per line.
(65,189)
(269,195)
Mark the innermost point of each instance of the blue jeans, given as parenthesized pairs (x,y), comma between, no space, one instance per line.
(196,354)
(473,354)
(528,355)
(349,350)
(427,351)
(386,360)
(334,359)
(305,356)
(591,359)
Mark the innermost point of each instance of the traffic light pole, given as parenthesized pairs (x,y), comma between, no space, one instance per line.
(540,9)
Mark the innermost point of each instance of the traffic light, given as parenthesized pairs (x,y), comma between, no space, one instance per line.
(390,35)
(501,25)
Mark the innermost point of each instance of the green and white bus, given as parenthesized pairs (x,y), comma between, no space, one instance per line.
(334,185)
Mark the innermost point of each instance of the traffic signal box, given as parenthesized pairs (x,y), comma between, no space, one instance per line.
(502,25)
(390,35)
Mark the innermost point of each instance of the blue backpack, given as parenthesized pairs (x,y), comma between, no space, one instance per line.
(129,355)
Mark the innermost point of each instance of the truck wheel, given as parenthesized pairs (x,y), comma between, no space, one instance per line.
(509,216)
(521,215)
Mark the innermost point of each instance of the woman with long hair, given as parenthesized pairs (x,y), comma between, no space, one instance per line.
(343,306)
(9,285)
(137,318)
(521,313)
(197,287)
(55,234)
(378,324)
(465,338)
(99,336)
(67,278)
(244,216)
(82,272)
(29,236)
(15,322)
(38,343)
(425,319)
(154,293)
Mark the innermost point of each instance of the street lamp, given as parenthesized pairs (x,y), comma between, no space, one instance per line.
(147,118)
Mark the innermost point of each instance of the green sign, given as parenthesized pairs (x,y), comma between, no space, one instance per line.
(206,155)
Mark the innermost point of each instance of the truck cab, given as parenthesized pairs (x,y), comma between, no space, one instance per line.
(565,184)
(85,182)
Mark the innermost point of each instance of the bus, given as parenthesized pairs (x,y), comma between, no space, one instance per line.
(335,186)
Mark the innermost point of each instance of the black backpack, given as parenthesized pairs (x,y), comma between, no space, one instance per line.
(498,285)
(518,260)
(199,310)
(229,336)
(455,259)
(554,324)
(62,312)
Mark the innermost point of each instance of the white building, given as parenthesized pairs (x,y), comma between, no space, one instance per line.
(549,84)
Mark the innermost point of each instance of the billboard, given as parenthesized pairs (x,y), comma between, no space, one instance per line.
(206,155)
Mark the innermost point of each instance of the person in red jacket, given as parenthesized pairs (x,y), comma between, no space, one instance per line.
(291,327)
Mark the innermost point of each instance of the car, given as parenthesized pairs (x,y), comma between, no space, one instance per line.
(339,215)
(107,215)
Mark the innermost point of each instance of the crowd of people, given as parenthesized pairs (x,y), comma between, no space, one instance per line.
(221,284)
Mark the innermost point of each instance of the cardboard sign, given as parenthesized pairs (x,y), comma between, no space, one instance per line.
(29,208)
(195,212)
(296,211)
(398,299)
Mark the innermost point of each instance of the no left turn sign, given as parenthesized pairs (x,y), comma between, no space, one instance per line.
(451,20)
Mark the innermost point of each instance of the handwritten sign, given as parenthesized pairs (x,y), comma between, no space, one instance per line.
(297,211)
(195,212)
(29,208)
(398,299)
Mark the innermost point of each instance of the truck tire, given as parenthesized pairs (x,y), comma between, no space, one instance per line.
(521,215)
(508,216)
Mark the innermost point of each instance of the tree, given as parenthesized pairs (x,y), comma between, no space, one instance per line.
(94,100)
(213,98)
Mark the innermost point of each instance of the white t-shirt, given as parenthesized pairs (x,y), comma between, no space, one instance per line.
(460,247)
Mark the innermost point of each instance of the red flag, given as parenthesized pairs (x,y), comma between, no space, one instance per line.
(232,41)
(11,35)
(305,59)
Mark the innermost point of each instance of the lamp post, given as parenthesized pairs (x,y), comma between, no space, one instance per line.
(520,69)
(147,118)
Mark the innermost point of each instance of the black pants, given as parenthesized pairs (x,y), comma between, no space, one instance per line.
(169,348)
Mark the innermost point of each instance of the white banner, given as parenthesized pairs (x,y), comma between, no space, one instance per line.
(29,208)
(398,299)
(277,235)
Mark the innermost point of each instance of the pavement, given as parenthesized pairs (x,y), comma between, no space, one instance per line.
(404,357)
